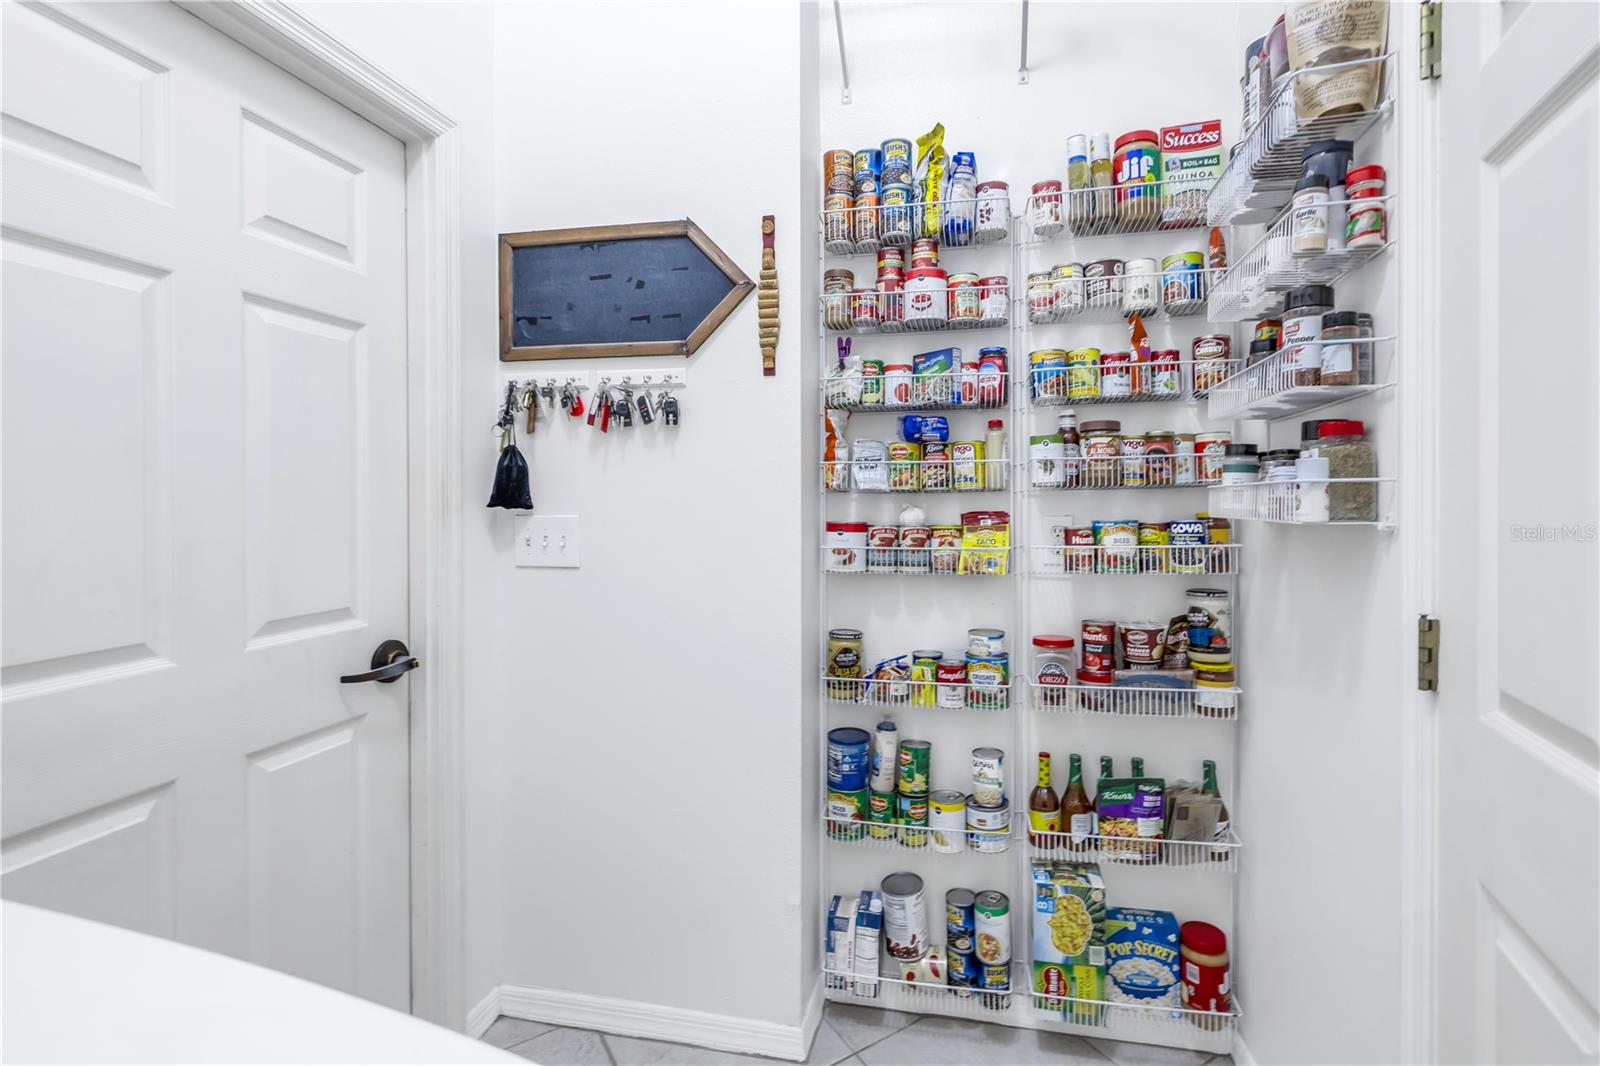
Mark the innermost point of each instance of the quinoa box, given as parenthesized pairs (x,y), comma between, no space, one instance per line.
(1069,939)
(1191,163)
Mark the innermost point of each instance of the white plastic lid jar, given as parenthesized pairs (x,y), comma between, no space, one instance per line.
(926,299)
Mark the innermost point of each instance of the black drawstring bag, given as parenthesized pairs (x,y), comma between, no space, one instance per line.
(511,489)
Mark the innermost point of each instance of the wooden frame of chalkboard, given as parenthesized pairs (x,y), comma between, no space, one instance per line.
(569,248)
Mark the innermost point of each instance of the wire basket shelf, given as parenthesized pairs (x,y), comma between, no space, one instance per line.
(938,563)
(899,837)
(1351,501)
(1266,390)
(1145,560)
(1111,211)
(1173,293)
(1097,383)
(1161,470)
(870,311)
(1135,701)
(955,224)
(1259,177)
(915,476)
(1208,856)
(1255,283)
(914,695)
(952,391)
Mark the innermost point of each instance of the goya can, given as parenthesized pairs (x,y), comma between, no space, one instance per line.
(992,915)
(880,815)
(947,821)
(960,923)
(961,970)
(912,816)
(847,814)
(914,758)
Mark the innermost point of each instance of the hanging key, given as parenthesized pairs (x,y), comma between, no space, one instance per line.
(669,410)
(530,401)
(645,403)
(600,404)
(624,410)
(547,393)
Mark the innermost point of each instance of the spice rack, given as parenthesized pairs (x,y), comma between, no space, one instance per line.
(1267,392)
(1274,501)
(1097,212)
(1170,1026)
(1255,283)
(881,301)
(1259,177)
(1170,560)
(858,219)
(1129,473)
(841,392)
(1219,705)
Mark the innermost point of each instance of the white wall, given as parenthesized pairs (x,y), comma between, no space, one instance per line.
(647,832)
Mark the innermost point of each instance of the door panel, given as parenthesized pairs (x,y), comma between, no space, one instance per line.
(1519,867)
(205,496)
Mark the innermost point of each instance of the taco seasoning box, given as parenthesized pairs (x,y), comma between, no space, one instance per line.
(1206,986)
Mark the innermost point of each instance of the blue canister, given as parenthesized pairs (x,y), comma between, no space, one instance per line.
(895,161)
(1047,373)
(1182,280)
(960,923)
(868,163)
(849,761)
(894,211)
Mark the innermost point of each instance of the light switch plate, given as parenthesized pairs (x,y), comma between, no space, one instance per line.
(548,540)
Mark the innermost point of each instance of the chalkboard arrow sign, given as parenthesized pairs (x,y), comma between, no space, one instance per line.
(655,288)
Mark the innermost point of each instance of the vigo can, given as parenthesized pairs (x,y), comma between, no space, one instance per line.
(947,821)
(880,815)
(914,757)
(905,917)
(912,816)
(961,970)
(960,922)
(988,776)
(992,913)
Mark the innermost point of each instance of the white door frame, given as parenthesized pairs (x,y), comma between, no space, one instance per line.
(286,37)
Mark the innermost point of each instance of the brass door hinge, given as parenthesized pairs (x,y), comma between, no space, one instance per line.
(1427,653)
(1429,61)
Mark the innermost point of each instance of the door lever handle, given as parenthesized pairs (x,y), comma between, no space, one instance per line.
(390,661)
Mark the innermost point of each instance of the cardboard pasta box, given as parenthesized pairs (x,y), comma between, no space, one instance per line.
(1069,940)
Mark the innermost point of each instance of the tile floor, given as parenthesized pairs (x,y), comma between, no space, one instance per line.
(849,1036)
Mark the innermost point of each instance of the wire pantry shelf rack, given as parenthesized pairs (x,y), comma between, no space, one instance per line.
(1255,283)
(914,476)
(868,311)
(900,837)
(1259,177)
(1207,856)
(1020,1005)
(975,224)
(1111,211)
(1098,383)
(864,392)
(916,695)
(1266,390)
(952,563)
(1161,470)
(1107,560)
(1135,701)
(1351,501)
(1177,292)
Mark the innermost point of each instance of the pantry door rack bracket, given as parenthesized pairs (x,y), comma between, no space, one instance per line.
(1022,65)
(844,67)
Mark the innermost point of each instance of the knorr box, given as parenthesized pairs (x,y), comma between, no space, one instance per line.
(1069,940)
(1191,162)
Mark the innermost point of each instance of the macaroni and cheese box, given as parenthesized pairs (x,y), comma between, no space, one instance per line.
(1069,940)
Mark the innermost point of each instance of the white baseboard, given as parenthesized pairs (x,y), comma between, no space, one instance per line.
(651,1021)
(1241,1053)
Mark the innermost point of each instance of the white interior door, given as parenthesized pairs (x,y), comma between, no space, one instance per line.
(1519,885)
(204,496)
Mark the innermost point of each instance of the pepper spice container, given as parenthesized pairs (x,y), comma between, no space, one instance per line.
(1302,332)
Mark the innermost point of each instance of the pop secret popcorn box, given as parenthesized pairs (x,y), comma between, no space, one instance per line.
(1191,162)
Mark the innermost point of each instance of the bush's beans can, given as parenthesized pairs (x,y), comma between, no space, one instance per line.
(962,971)
(960,923)
(905,917)
(1098,641)
(912,814)
(836,236)
(868,164)
(880,815)
(994,979)
(838,170)
(947,821)
(864,227)
(992,914)
(914,757)
(896,160)
(895,215)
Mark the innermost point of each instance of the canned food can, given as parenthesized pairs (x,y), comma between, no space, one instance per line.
(1134,475)
(960,922)
(849,759)
(864,224)
(905,917)
(1183,465)
(912,816)
(894,223)
(947,821)
(1188,540)
(1166,373)
(935,468)
(1211,357)
(914,758)
(1083,373)
(1153,542)
(880,815)
(847,814)
(891,305)
(994,299)
(969,382)
(1080,550)
(988,828)
(986,642)
(987,678)
(961,970)
(1118,542)
(1097,641)
(966,465)
(838,170)
(1183,282)
(952,679)
(988,776)
(992,914)
(868,163)
(994,981)
(871,382)
(836,230)
(896,155)
(925,674)
(991,377)
(945,558)
(1047,374)
(1209,450)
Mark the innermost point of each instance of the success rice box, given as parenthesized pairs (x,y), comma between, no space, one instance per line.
(1069,940)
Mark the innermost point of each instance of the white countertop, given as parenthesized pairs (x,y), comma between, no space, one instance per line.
(80,991)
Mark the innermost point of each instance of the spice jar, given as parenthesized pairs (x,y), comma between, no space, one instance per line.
(1364,348)
(926,299)
(1140,287)
(1342,442)
(1046,208)
(1311,489)
(1273,377)
(1206,985)
(994,300)
(1053,668)
(1308,216)
(1067,281)
(1041,297)
(1331,159)
(1302,331)
(1368,222)
(994,212)
(1240,464)
(1278,474)
(965,303)
(1339,336)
